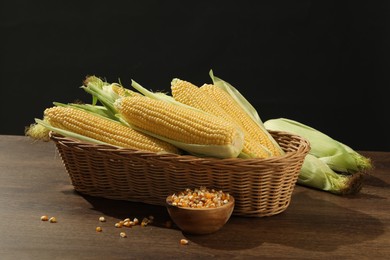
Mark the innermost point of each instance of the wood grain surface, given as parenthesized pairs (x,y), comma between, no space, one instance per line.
(316,225)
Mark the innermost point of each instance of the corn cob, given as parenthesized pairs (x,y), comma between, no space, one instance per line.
(317,174)
(192,130)
(338,156)
(255,130)
(103,130)
(189,94)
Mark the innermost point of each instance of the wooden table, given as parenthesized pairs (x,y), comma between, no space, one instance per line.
(316,225)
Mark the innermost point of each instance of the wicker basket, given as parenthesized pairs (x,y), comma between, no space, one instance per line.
(261,187)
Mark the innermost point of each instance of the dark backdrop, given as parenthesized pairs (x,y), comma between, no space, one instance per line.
(323,63)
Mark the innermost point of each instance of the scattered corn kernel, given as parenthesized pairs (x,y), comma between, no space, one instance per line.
(44,218)
(127,224)
(52,220)
(184,241)
(99,229)
(126,220)
(118,225)
(122,234)
(102,219)
(200,198)
(144,222)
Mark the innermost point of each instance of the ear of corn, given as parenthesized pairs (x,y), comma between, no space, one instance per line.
(194,131)
(189,94)
(317,174)
(337,155)
(74,122)
(240,109)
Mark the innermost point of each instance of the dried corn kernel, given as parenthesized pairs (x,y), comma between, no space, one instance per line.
(44,218)
(52,220)
(127,224)
(122,234)
(102,219)
(99,229)
(118,225)
(184,241)
(200,198)
(144,222)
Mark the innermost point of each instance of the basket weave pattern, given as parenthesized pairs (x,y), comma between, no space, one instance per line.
(261,187)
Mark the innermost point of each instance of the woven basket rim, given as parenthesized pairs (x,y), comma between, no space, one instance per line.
(304,147)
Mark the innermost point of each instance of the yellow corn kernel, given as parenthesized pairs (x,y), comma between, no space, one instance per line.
(180,123)
(52,220)
(44,218)
(103,129)
(184,241)
(256,131)
(144,222)
(122,91)
(127,224)
(190,94)
(118,225)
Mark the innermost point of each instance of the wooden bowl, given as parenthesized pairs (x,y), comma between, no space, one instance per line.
(200,221)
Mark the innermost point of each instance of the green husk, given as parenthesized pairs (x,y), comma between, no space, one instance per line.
(101,91)
(151,94)
(338,156)
(317,174)
(363,164)
(160,96)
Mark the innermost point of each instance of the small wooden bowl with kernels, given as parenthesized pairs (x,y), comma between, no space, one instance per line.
(200,211)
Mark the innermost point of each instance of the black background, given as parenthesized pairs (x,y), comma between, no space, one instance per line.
(323,63)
